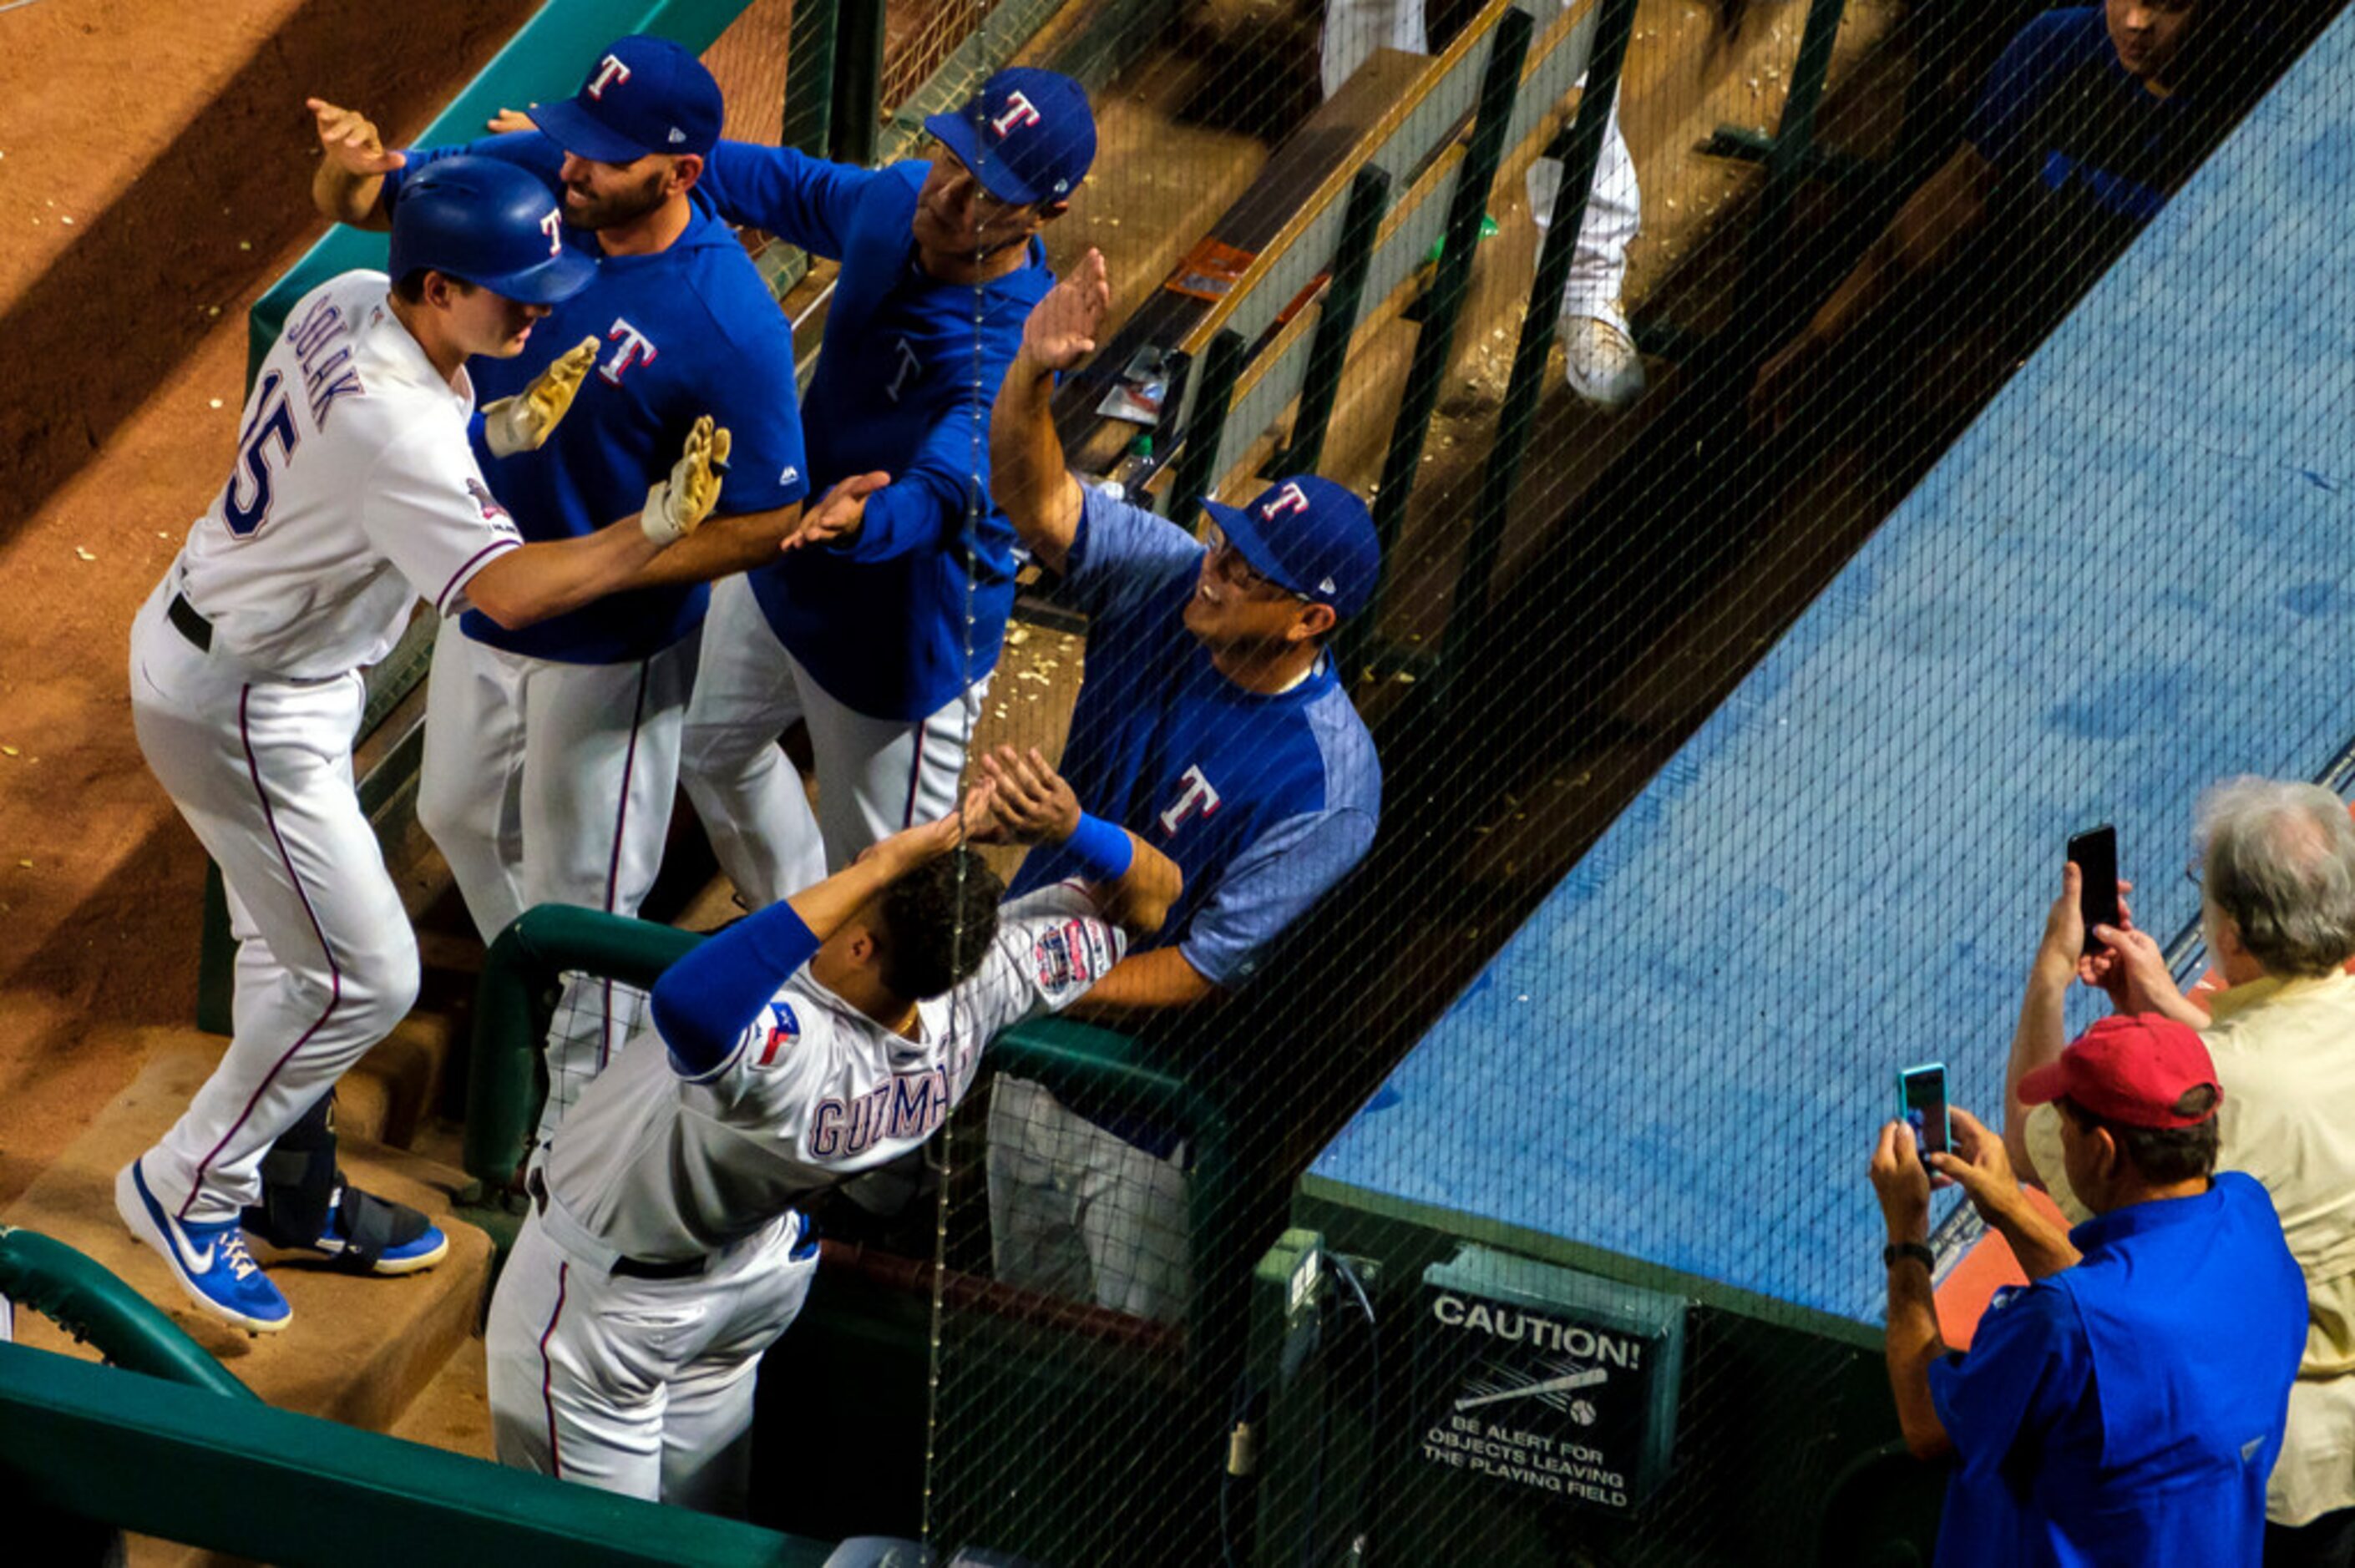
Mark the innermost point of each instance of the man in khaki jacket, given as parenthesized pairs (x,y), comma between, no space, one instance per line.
(2276,864)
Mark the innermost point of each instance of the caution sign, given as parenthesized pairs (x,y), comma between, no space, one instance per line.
(1543,1391)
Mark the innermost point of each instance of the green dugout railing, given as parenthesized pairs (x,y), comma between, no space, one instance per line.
(1083,1065)
(90,1303)
(231,1474)
(166,1442)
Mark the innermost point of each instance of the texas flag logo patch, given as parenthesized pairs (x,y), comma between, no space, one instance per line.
(785,1034)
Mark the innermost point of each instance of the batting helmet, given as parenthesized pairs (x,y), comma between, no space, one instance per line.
(490,222)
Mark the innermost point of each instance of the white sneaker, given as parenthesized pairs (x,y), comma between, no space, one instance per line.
(1605,368)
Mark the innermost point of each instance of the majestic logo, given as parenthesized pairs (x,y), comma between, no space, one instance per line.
(492,510)
(1288,499)
(1019,110)
(783,1034)
(609,71)
(553,226)
(910,365)
(1200,798)
(636,349)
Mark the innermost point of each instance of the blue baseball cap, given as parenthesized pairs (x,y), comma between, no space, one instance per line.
(488,223)
(1309,536)
(644,95)
(1027,135)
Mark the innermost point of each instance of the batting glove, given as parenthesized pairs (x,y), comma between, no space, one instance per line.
(677,505)
(523,423)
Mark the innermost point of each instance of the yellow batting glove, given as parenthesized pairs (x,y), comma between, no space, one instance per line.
(677,505)
(523,423)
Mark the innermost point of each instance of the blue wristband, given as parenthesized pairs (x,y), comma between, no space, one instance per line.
(1103,849)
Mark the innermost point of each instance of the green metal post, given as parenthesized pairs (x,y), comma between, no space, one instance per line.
(1580,148)
(1336,321)
(216,959)
(1198,460)
(510,1018)
(808,122)
(858,81)
(1795,136)
(1500,83)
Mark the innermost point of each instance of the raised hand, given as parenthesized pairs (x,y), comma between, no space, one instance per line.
(524,422)
(1900,1182)
(676,506)
(1063,327)
(509,120)
(350,142)
(1032,804)
(840,513)
(1978,1165)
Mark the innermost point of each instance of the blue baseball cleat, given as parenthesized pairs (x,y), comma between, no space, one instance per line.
(210,1261)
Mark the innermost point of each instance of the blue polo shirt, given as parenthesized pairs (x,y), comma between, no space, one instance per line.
(1263,801)
(687,331)
(2128,1411)
(906,374)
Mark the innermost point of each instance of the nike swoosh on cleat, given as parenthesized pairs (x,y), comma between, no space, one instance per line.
(198,1262)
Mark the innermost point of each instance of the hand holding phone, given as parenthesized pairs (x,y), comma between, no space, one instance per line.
(2096,852)
(1921,1104)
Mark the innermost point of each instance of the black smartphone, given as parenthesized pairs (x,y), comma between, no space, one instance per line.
(2095,850)
(1922,1102)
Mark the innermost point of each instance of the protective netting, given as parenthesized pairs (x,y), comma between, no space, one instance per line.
(1919,448)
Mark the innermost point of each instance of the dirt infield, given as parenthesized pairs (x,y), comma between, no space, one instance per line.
(155,164)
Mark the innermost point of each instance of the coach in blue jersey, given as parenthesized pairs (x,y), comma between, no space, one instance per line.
(551,754)
(880,628)
(1212,723)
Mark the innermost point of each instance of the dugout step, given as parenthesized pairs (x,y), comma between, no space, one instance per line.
(359,1348)
(452,1410)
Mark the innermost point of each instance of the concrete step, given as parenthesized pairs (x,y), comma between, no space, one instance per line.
(453,1410)
(359,1348)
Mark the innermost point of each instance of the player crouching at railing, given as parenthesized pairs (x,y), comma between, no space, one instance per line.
(821,1037)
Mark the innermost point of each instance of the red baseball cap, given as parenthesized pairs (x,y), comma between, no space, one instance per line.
(2131,1069)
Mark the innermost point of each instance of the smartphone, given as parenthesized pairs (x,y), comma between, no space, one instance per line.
(1921,1101)
(2095,850)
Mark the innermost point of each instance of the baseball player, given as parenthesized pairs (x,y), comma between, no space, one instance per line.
(1598,346)
(881,626)
(552,755)
(354,490)
(1213,724)
(821,1037)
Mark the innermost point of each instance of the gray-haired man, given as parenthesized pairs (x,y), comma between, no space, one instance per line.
(2276,862)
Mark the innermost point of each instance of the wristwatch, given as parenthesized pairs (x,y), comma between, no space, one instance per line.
(1895,1250)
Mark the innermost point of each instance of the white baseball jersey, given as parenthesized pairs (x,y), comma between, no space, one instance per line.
(660,1168)
(354,491)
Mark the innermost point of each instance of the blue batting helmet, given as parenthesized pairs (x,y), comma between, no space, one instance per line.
(491,224)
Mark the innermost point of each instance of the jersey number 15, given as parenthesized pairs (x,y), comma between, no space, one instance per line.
(273,420)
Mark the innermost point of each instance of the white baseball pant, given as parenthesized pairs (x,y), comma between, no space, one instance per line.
(1078,1212)
(1354,29)
(874,776)
(639,1386)
(551,783)
(261,769)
